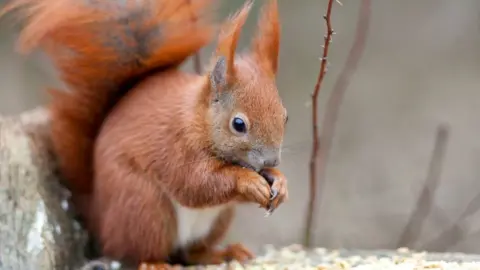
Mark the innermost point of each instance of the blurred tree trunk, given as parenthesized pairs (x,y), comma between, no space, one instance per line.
(36,228)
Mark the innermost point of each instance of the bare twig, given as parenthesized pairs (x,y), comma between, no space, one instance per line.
(472,208)
(446,238)
(456,232)
(320,151)
(197,61)
(449,237)
(316,143)
(425,201)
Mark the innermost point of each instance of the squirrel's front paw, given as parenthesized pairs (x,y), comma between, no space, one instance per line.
(252,187)
(278,183)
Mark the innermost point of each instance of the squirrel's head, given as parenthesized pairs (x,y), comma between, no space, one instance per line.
(246,112)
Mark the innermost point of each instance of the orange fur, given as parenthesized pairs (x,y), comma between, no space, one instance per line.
(99,50)
(147,150)
(266,43)
(230,34)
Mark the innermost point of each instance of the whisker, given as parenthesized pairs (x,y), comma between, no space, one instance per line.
(290,150)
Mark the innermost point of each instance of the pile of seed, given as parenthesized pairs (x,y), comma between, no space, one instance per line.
(296,257)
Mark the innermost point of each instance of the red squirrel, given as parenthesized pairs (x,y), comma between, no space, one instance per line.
(157,158)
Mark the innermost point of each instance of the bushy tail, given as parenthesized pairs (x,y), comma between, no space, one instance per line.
(100,48)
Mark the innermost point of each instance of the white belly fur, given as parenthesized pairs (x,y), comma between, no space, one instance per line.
(193,223)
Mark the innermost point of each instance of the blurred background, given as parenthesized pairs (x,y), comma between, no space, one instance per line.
(419,70)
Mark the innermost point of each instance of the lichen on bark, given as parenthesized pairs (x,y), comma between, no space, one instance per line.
(37,230)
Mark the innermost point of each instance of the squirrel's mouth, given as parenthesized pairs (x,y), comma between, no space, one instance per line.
(239,162)
(244,164)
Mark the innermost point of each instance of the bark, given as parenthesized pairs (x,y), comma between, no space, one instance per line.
(37,230)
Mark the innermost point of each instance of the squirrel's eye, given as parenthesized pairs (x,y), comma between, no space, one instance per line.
(239,125)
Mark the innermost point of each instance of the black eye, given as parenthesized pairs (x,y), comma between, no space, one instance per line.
(239,125)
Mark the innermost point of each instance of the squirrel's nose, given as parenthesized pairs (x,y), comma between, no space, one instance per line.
(271,158)
(271,162)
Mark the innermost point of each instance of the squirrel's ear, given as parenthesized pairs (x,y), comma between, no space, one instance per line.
(229,36)
(218,76)
(266,44)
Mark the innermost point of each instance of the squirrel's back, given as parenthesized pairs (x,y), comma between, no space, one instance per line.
(102,49)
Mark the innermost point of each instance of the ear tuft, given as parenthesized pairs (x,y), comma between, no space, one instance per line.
(230,34)
(266,44)
(218,76)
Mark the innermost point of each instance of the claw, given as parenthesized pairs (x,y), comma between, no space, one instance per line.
(269,211)
(270,207)
(274,193)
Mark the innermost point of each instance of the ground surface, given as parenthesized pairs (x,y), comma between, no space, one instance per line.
(296,257)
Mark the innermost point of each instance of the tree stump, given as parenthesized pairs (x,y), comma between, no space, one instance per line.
(36,228)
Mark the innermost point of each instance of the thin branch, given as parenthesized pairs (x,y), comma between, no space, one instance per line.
(455,233)
(197,61)
(447,238)
(425,202)
(472,208)
(320,151)
(316,143)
